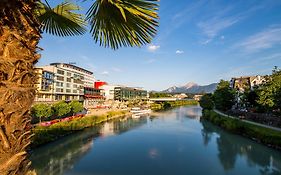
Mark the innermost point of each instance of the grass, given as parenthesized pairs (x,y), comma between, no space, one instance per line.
(43,134)
(263,135)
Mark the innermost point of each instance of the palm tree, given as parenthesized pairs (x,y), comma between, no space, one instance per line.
(113,24)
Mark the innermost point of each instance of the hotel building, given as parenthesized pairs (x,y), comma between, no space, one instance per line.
(61,81)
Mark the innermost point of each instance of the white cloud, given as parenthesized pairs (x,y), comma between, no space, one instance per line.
(179,52)
(104,73)
(212,27)
(153,47)
(262,40)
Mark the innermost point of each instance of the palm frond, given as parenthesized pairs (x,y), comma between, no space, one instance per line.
(61,20)
(116,23)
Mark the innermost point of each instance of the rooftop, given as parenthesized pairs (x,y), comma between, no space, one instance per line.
(72,67)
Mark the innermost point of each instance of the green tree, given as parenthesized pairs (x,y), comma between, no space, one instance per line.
(166,105)
(159,95)
(250,97)
(42,110)
(269,94)
(224,96)
(61,108)
(113,23)
(76,107)
(206,102)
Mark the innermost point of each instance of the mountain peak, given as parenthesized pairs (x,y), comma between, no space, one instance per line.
(189,85)
(192,87)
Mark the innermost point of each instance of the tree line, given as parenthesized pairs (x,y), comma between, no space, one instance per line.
(264,98)
(44,112)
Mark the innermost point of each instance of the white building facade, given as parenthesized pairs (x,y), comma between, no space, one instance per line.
(108,91)
(68,82)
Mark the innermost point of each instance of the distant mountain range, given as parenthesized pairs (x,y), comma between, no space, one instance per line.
(192,88)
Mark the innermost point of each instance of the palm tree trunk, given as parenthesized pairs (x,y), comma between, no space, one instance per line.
(19,36)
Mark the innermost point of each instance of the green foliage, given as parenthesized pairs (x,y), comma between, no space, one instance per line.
(158,95)
(41,110)
(61,108)
(61,20)
(51,133)
(160,106)
(155,106)
(264,135)
(112,23)
(269,94)
(207,102)
(167,105)
(123,23)
(76,106)
(223,84)
(224,96)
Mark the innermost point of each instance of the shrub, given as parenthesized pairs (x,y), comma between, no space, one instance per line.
(263,135)
(206,102)
(167,105)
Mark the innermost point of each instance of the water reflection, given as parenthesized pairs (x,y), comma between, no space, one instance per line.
(232,147)
(171,142)
(59,157)
(55,158)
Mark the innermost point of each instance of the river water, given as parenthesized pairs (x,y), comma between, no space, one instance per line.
(174,142)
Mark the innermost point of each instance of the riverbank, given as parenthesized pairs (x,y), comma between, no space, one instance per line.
(260,134)
(46,134)
(166,105)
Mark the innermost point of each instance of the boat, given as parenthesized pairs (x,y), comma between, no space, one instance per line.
(137,112)
(135,116)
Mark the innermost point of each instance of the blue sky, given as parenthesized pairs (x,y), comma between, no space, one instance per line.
(197,41)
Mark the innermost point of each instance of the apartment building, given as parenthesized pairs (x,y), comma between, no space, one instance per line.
(68,82)
(45,85)
(246,82)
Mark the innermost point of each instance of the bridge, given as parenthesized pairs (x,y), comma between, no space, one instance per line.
(164,99)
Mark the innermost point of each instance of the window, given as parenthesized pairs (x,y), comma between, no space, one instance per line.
(75,86)
(58,97)
(48,75)
(68,85)
(60,78)
(74,91)
(78,81)
(60,72)
(68,90)
(59,84)
(68,74)
(59,90)
(68,79)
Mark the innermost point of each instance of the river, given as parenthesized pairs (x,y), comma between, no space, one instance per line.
(174,142)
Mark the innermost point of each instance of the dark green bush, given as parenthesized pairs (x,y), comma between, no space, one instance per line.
(206,102)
